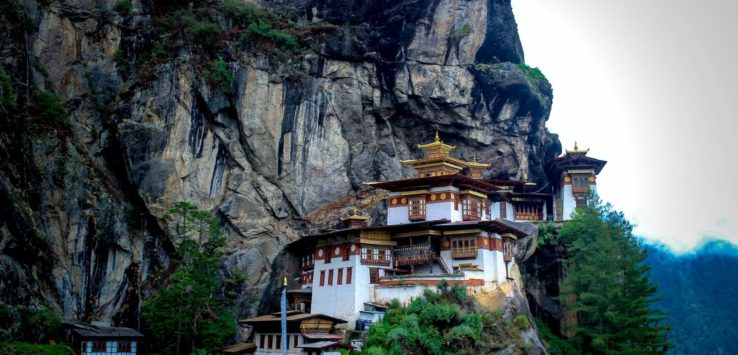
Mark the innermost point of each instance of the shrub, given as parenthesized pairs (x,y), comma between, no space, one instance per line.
(48,108)
(220,76)
(531,73)
(204,33)
(123,7)
(7,94)
(521,322)
(263,31)
(38,349)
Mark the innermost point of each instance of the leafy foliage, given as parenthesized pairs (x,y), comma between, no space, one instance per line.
(607,285)
(555,344)
(48,108)
(220,76)
(123,7)
(531,73)
(7,96)
(189,314)
(29,324)
(441,323)
(36,349)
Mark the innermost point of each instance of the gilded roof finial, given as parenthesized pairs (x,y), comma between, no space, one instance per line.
(438,139)
(575,146)
(285,281)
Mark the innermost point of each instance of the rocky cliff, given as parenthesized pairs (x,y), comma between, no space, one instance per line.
(281,149)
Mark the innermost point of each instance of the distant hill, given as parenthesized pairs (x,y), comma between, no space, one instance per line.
(700,295)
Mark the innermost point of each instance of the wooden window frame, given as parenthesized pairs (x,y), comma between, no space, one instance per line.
(471,208)
(373,275)
(278,342)
(339,277)
(464,248)
(98,348)
(295,342)
(322,277)
(269,341)
(416,208)
(327,255)
(330,277)
(124,346)
(262,340)
(349,275)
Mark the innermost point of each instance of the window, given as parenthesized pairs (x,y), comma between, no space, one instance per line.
(307,261)
(376,256)
(99,347)
(269,341)
(279,342)
(261,341)
(471,208)
(327,255)
(528,211)
(417,208)
(294,341)
(124,346)
(503,210)
(322,278)
(330,277)
(348,275)
(462,248)
(374,275)
(339,277)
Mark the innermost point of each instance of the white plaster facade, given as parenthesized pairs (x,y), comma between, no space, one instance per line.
(111,347)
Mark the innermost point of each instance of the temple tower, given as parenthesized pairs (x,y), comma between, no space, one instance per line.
(574,175)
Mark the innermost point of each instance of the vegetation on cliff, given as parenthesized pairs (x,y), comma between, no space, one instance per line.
(447,322)
(606,286)
(188,314)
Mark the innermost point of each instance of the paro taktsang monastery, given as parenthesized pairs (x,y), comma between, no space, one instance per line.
(450,223)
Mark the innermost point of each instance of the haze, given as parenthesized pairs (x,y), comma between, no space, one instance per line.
(649,86)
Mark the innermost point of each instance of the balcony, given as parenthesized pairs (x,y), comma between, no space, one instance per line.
(414,254)
(464,253)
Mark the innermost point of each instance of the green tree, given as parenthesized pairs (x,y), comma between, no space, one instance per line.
(446,322)
(607,285)
(189,313)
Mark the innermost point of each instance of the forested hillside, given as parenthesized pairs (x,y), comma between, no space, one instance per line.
(699,290)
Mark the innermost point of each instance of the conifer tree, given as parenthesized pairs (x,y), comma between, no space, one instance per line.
(190,313)
(607,285)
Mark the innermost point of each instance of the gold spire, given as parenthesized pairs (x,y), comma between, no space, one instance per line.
(285,281)
(576,149)
(437,142)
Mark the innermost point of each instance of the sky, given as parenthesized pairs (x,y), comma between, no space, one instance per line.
(651,86)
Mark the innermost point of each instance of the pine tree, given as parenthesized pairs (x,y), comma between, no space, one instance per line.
(189,313)
(607,286)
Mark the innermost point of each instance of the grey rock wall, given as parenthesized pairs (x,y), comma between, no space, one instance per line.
(275,159)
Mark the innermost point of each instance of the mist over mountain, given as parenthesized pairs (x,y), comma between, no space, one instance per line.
(698,289)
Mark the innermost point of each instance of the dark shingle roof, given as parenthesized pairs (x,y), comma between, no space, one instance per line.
(94,331)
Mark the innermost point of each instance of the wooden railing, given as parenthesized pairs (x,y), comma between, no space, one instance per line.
(463,253)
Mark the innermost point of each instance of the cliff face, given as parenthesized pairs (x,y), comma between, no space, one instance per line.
(82,227)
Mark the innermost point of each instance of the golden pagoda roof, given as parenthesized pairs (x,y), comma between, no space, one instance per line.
(436,143)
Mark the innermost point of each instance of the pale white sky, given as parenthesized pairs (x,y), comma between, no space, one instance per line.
(651,86)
